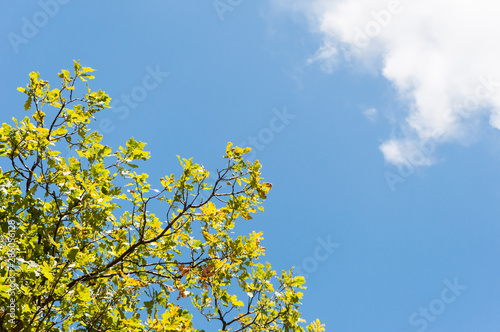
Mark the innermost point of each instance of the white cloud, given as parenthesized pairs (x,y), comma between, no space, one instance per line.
(371,114)
(443,56)
(408,152)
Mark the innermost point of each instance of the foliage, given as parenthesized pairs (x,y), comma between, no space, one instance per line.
(82,251)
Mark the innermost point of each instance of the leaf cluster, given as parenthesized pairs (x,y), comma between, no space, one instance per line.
(96,247)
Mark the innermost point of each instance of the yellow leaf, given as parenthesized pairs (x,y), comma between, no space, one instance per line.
(4,291)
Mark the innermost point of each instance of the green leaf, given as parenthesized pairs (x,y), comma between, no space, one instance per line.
(27,105)
(149,306)
(82,293)
(71,253)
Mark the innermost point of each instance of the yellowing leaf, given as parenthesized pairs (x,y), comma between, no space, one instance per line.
(4,289)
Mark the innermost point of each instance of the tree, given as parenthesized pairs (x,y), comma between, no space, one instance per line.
(82,251)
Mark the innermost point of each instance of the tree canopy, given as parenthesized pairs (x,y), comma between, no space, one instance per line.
(88,244)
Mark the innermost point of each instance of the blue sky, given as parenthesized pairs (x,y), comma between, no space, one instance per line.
(385,169)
